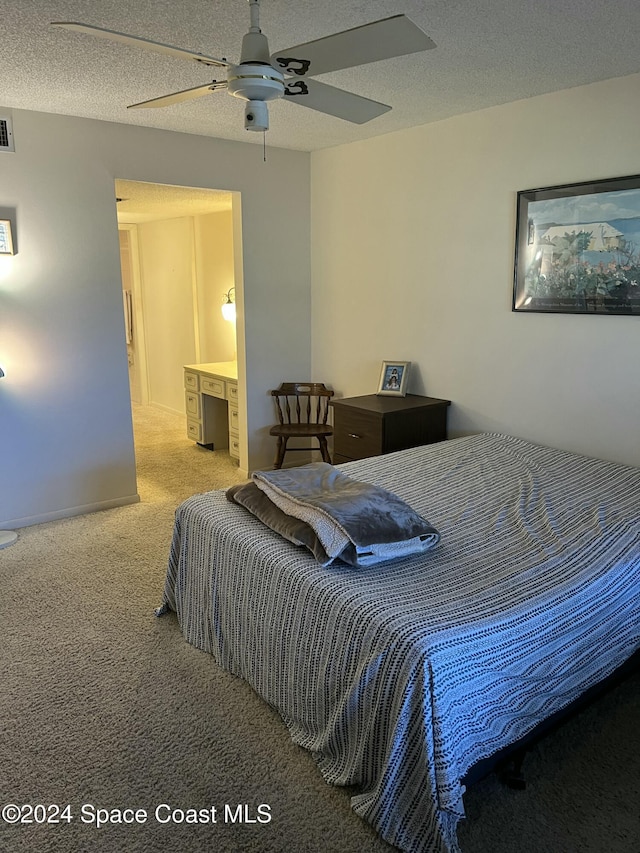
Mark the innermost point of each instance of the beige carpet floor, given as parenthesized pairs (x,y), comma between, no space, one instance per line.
(104,706)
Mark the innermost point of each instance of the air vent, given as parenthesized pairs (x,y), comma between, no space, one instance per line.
(6,134)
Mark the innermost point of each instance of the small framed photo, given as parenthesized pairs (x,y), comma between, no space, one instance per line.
(393,378)
(6,240)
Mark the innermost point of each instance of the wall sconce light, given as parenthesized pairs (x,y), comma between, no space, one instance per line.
(229,306)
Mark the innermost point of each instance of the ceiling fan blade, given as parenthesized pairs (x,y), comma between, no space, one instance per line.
(179,97)
(136,41)
(333,101)
(395,36)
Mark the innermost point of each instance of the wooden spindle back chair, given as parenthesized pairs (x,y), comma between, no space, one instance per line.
(303,409)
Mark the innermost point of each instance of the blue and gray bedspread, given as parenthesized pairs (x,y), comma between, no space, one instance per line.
(399,677)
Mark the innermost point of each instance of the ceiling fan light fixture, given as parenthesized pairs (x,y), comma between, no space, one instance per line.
(256,84)
(252,81)
(256,116)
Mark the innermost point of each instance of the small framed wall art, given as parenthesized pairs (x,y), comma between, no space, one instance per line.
(393,378)
(6,239)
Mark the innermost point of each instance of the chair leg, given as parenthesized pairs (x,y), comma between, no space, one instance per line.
(281,450)
(324,450)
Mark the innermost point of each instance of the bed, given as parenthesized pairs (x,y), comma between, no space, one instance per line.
(403,676)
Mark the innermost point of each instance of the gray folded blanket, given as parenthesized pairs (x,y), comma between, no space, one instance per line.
(356,522)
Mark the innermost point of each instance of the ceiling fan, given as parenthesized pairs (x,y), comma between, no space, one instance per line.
(261,77)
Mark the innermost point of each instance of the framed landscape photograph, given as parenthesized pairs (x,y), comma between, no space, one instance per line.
(393,378)
(6,239)
(578,248)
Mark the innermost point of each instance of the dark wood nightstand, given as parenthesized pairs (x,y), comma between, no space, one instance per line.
(373,425)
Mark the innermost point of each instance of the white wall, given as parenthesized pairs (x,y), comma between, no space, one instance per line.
(64,404)
(166,251)
(215,276)
(412,248)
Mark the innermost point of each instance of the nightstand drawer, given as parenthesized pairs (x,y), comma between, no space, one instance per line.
(372,425)
(356,435)
(338,460)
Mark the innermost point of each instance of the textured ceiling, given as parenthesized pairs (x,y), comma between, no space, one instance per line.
(143,202)
(488,52)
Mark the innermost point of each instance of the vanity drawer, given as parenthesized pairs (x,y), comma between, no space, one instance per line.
(191,381)
(234,445)
(213,387)
(194,430)
(192,404)
(233,419)
(232,393)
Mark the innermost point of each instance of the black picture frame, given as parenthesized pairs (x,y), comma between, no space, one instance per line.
(578,248)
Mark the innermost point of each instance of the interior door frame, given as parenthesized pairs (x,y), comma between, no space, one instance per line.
(138,312)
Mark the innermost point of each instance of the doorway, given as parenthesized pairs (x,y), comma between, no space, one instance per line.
(177,259)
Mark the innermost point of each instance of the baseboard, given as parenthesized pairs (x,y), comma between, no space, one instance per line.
(69,512)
